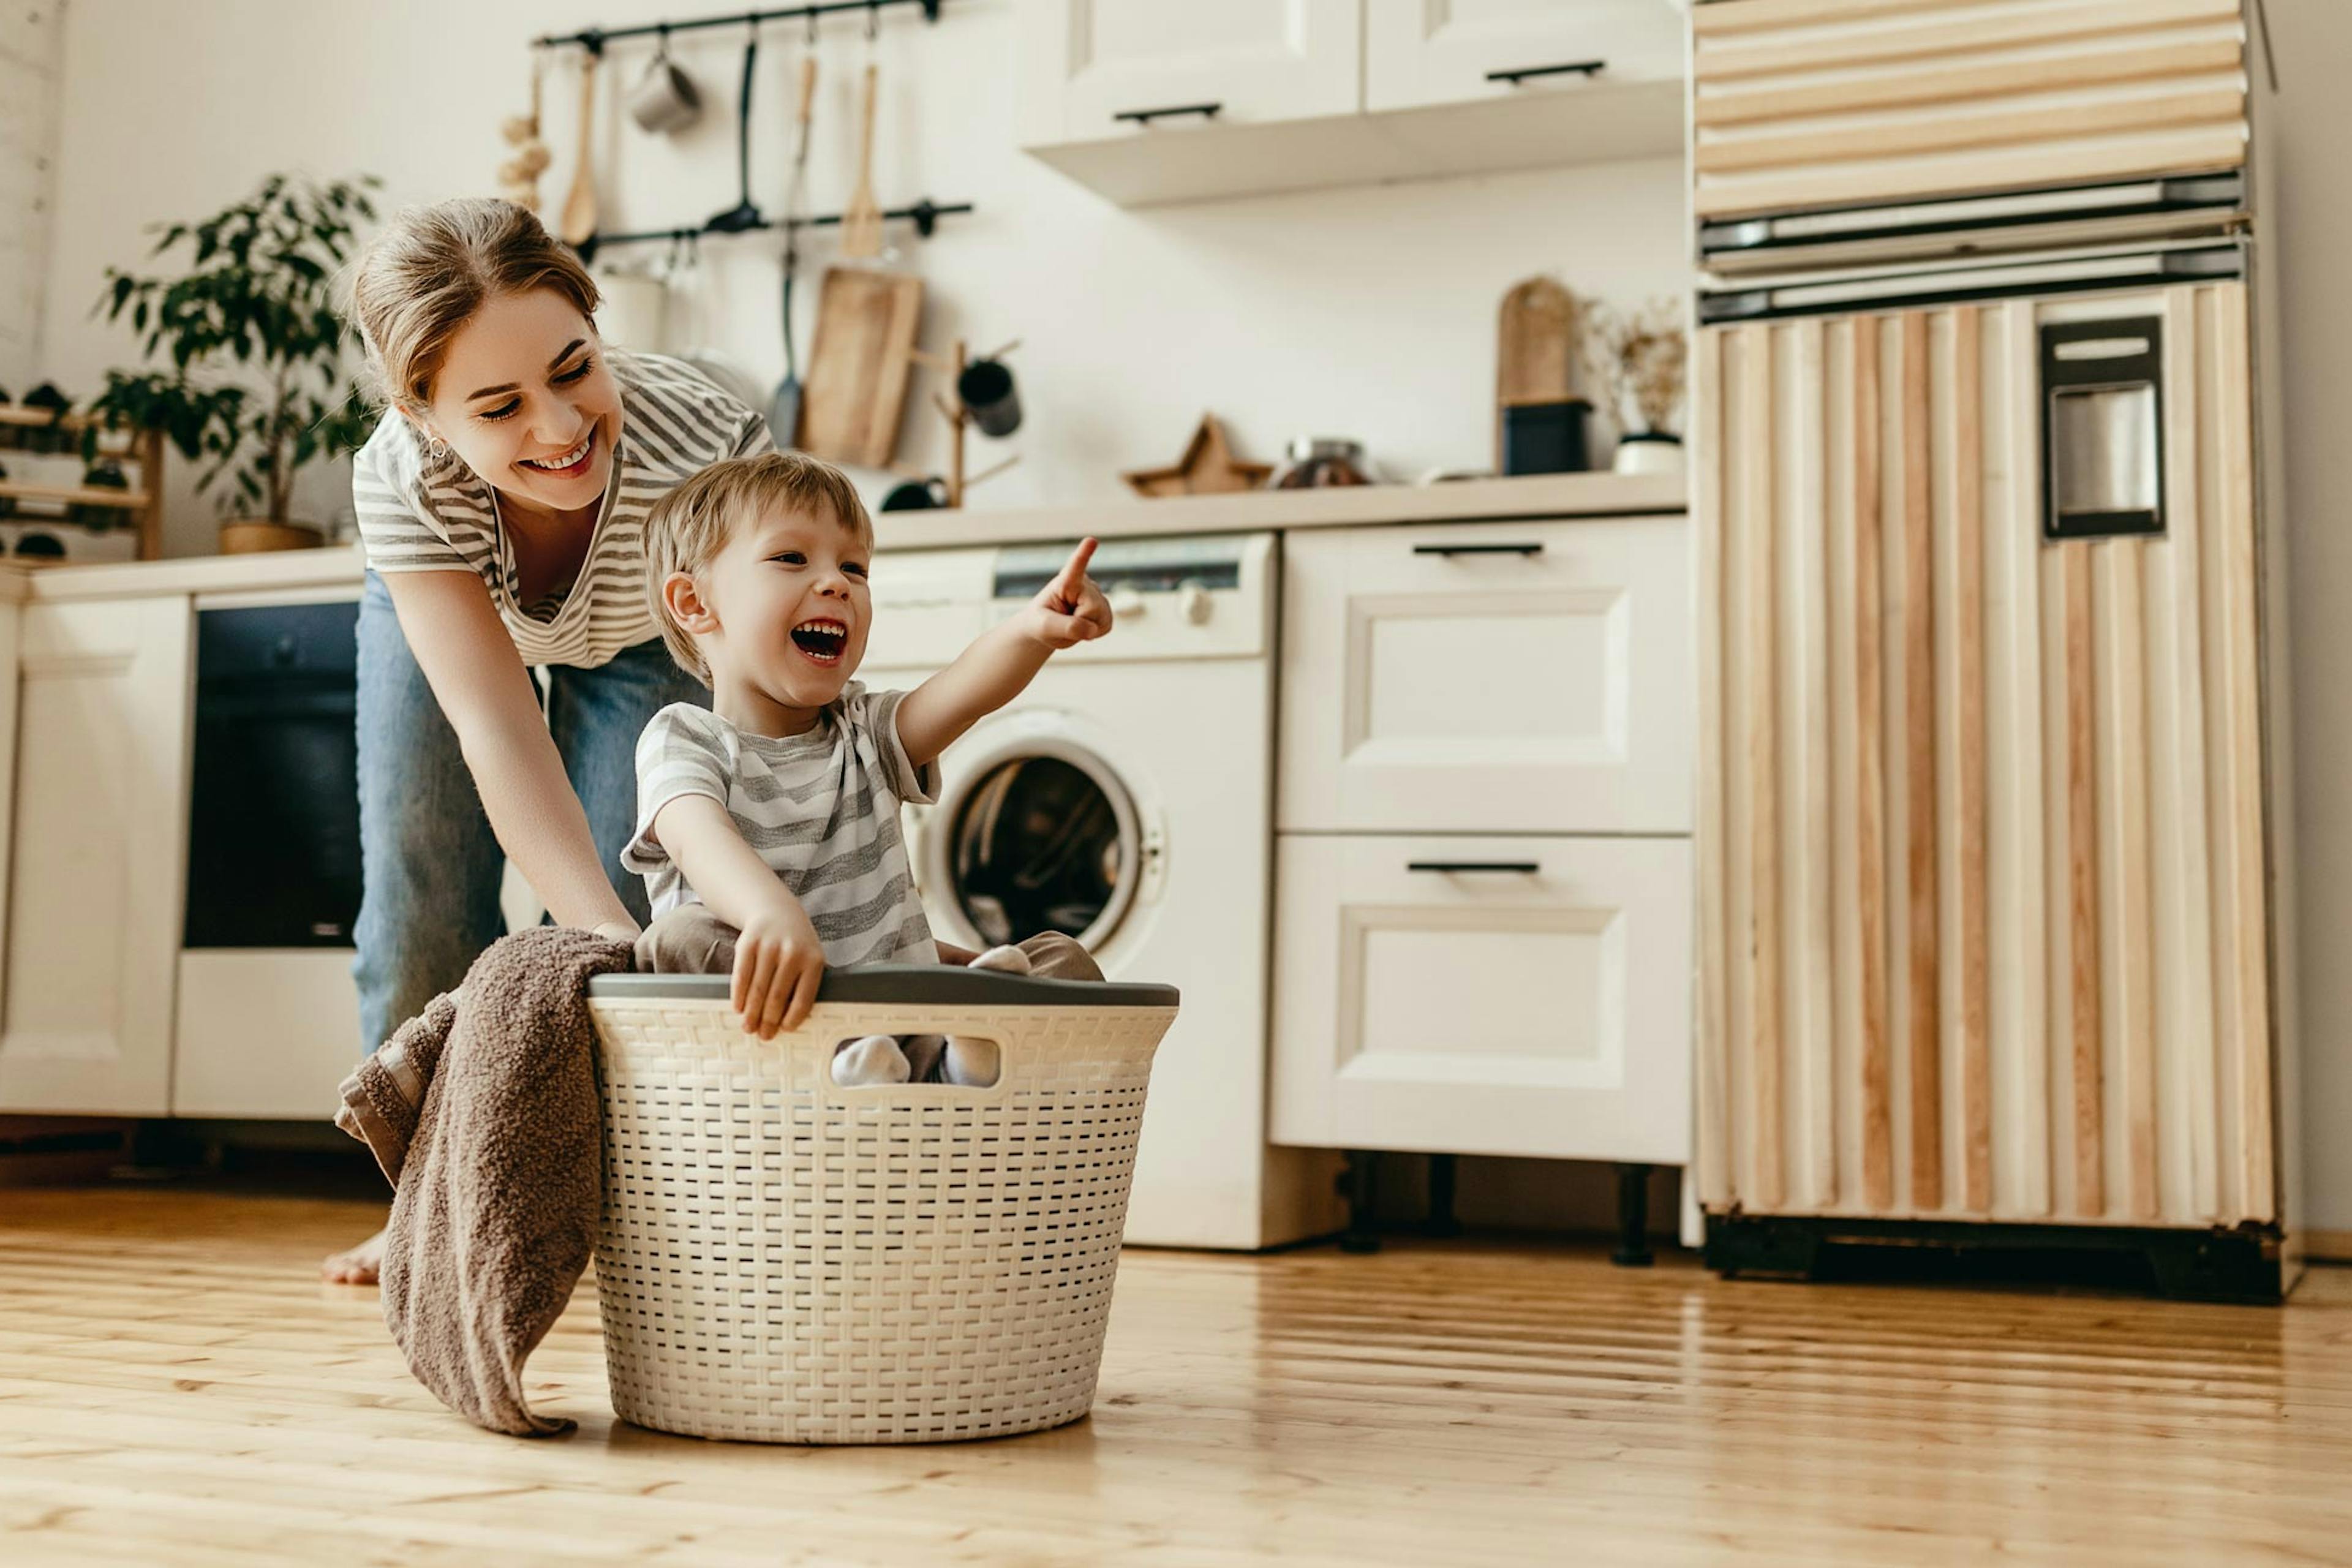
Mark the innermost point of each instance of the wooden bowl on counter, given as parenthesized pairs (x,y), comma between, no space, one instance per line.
(249,538)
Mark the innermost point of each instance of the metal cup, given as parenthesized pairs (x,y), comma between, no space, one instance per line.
(665,98)
(989,396)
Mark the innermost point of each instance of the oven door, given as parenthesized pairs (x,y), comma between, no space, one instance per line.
(273,817)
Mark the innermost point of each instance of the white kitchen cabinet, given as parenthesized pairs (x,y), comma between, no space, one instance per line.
(1515,995)
(1288,81)
(98,838)
(1512,677)
(1104,63)
(1422,52)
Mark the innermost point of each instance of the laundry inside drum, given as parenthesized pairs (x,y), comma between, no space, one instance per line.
(1038,847)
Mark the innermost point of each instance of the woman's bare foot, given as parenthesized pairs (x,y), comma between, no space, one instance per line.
(359,1265)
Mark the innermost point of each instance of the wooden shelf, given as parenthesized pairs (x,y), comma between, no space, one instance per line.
(77,495)
(142,509)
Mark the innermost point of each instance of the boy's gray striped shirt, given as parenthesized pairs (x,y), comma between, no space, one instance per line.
(820,808)
(420,512)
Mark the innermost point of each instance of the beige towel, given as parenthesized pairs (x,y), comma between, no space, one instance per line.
(485,1117)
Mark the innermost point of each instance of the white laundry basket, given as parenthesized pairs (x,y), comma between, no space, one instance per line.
(786,1260)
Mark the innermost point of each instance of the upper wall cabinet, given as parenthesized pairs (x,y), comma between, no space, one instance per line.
(1422,52)
(1128,65)
(1147,103)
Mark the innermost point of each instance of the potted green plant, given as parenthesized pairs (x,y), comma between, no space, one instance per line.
(254,383)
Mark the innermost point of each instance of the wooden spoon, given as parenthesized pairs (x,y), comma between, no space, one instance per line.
(579,220)
(861,222)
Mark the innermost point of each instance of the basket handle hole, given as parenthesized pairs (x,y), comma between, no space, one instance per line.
(884,1061)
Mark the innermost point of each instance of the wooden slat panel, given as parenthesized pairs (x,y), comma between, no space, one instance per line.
(1968,594)
(1718,106)
(1870,783)
(1919,771)
(2018,875)
(1718,59)
(1759,16)
(2240,735)
(2082,879)
(1761,762)
(2130,932)
(1714,1172)
(2001,124)
(2183,896)
(2182,151)
(1805,549)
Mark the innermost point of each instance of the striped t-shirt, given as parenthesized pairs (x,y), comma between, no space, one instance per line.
(820,808)
(420,512)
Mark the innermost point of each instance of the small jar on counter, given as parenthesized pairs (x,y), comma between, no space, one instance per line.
(1313,462)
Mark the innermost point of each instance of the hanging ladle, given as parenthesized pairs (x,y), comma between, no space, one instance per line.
(742,215)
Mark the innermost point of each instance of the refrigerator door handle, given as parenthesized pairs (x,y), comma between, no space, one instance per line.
(2103,428)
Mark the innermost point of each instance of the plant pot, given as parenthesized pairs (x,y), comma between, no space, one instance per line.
(1649,452)
(248,536)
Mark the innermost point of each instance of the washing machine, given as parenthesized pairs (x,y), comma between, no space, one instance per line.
(1124,798)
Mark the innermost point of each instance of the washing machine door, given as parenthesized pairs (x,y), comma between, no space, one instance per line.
(1036,831)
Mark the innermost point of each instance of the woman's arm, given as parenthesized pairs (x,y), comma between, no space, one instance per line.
(1002,661)
(481,682)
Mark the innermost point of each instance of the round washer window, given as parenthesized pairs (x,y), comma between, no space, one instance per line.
(1043,843)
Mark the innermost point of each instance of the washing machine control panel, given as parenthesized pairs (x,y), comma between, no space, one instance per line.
(1174,598)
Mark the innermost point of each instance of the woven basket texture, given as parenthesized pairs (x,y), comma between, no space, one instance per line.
(781,1260)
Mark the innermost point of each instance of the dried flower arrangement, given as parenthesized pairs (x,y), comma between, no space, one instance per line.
(1637,358)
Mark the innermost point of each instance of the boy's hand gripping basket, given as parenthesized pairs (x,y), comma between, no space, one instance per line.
(786,1260)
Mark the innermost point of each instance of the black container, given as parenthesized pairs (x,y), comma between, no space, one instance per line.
(988,393)
(1546,437)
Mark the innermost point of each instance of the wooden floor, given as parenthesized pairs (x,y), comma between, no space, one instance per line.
(175,1387)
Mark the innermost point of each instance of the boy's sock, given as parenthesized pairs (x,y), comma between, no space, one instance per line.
(869,1060)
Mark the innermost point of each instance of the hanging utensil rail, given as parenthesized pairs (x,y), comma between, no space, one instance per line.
(924,214)
(594,39)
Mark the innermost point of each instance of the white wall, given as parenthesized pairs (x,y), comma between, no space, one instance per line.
(1364,312)
(2314,231)
(31,32)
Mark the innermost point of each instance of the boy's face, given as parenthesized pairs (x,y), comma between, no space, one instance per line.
(792,607)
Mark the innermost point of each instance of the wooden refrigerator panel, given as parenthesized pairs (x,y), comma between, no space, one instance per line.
(1983,903)
(1812,103)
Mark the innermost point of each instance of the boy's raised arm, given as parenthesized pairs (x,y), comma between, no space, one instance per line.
(1001,661)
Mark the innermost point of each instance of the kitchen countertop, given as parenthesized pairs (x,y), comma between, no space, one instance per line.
(1468,501)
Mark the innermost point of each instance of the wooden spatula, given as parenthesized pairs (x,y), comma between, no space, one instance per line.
(861,221)
(579,219)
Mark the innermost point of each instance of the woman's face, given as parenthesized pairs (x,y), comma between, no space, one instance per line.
(524,396)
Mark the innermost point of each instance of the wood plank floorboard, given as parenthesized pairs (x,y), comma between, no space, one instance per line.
(177,1388)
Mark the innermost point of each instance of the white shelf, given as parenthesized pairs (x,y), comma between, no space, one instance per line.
(1184,160)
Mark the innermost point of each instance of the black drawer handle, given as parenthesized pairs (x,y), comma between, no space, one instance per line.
(1146,116)
(1577,68)
(1518,868)
(1530,548)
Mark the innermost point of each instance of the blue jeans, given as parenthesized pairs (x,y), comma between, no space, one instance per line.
(429,865)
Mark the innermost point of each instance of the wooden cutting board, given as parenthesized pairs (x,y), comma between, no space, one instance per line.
(866,322)
(1535,344)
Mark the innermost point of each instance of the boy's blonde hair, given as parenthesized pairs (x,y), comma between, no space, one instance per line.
(690,525)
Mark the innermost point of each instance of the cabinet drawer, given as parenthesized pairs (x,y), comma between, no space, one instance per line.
(1815,103)
(1542,1012)
(1519,677)
(1417,54)
(1106,69)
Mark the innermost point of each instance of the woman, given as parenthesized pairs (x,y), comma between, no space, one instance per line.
(502,503)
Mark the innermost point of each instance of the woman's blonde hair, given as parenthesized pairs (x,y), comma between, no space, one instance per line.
(691,524)
(431,269)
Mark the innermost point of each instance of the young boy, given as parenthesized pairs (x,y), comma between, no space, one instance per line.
(768,824)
